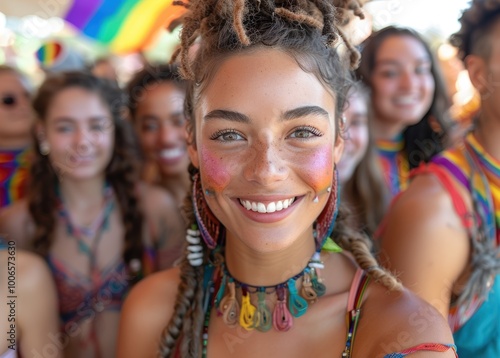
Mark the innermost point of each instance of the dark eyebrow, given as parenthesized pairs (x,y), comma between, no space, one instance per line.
(304,112)
(288,115)
(227,115)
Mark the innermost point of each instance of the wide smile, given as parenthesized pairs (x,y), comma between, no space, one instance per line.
(268,210)
(268,207)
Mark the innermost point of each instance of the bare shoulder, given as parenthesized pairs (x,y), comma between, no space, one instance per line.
(16,223)
(424,242)
(393,321)
(33,269)
(145,314)
(425,197)
(423,216)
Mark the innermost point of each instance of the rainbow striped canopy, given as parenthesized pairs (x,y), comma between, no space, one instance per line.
(124,25)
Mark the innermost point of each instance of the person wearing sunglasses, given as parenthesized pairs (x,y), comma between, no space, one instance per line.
(16,118)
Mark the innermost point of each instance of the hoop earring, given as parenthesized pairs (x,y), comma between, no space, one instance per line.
(325,222)
(208,224)
(44,148)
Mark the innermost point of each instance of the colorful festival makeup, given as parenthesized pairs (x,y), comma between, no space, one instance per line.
(215,177)
(318,168)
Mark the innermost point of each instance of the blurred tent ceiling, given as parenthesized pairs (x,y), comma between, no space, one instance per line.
(127,26)
(124,26)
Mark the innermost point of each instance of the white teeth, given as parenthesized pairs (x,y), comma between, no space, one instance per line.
(270,208)
(279,206)
(171,153)
(261,208)
(405,100)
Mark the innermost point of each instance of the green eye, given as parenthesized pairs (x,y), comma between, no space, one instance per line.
(305,133)
(227,135)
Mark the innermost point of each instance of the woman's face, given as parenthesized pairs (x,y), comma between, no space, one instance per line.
(402,82)
(161,126)
(265,146)
(356,136)
(16,116)
(79,130)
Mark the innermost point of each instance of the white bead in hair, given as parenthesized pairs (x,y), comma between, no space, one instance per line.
(195,255)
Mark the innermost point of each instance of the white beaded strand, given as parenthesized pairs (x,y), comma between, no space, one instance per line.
(195,248)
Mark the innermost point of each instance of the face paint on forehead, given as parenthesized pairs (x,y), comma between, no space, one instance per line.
(214,171)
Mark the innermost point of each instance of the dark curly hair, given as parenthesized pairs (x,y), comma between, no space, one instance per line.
(308,32)
(476,23)
(148,77)
(121,172)
(423,131)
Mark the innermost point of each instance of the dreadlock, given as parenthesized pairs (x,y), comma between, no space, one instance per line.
(308,31)
(476,23)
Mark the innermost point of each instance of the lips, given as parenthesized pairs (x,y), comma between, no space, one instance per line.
(269,207)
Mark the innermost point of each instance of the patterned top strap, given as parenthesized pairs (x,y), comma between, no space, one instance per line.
(427,347)
(358,288)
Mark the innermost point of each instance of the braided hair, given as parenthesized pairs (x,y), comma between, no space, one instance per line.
(307,31)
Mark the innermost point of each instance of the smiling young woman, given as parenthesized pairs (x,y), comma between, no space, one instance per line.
(260,276)
(410,120)
(156,104)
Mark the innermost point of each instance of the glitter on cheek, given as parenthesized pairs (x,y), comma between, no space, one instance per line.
(214,169)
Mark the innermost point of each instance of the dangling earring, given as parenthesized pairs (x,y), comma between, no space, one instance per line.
(208,224)
(326,220)
(44,148)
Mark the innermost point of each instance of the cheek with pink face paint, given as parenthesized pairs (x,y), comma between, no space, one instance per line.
(215,175)
(316,168)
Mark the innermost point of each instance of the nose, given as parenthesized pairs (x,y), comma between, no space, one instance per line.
(83,141)
(168,134)
(265,164)
(408,80)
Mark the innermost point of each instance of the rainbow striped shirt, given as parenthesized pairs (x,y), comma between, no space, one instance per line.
(14,168)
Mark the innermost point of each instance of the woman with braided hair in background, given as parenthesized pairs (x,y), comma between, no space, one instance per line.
(86,212)
(449,252)
(260,276)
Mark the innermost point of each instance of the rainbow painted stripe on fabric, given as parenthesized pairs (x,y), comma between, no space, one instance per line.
(485,193)
(124,25)
(13,175)
(394,164)
(491,168)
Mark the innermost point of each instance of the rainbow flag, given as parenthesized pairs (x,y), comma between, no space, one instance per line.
(123,25)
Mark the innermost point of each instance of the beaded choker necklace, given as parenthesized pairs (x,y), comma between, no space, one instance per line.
(289,301)
(220,291)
